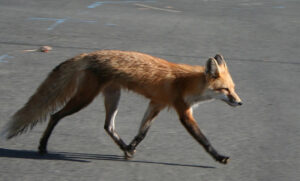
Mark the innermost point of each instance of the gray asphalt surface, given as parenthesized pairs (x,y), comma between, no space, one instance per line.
(259,39)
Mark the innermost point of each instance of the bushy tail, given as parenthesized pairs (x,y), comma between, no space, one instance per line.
(58,88)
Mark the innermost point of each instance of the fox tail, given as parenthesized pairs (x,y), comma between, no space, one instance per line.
(60,85)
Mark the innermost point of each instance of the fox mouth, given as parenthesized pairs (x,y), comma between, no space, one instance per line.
(233,103)
(229,100)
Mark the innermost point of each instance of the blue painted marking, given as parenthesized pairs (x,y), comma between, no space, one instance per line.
(60,21)
(2,57)
(95,5)
(99,3)
(57,22)
(110,24)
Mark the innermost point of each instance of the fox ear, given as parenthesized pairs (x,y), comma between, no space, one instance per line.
(212,67)
(220,59)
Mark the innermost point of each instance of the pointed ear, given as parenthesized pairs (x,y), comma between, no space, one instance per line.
(212,68)
(220,59)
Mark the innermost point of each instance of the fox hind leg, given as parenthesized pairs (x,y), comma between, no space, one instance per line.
(150,114)
(112,95)
(83,97)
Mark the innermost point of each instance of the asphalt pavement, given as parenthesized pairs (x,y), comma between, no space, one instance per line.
(259,40)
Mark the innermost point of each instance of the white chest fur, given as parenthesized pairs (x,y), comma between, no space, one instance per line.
(195,99)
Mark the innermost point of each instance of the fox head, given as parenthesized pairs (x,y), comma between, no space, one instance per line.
(220,84)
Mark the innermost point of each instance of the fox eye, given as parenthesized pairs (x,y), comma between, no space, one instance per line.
(223,89)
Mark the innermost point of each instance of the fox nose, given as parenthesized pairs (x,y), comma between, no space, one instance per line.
(240,103)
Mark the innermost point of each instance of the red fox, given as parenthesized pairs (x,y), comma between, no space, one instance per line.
(74,84)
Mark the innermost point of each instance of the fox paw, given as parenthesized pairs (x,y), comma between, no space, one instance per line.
(42,151)
(223,159)
(129,152)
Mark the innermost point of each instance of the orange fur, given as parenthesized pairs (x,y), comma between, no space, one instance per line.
(77,81)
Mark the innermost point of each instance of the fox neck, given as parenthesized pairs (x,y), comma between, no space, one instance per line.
(196,89)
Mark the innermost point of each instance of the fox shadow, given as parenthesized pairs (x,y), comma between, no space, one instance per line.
(82,157)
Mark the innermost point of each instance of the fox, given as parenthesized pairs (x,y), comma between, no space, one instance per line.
(73,84)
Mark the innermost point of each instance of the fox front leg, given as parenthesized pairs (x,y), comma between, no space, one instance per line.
(150,114)
(188,121)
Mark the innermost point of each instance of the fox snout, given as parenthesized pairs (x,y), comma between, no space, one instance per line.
(234,103)
(229,97)
(234,100)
